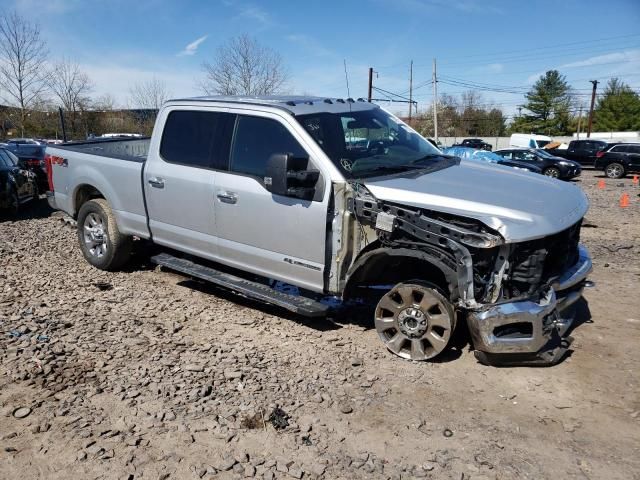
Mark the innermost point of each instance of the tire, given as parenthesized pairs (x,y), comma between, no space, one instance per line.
(102,244)
(615,170)
(415,321)
(552,172)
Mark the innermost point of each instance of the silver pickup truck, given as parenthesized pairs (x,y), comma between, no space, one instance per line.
(344,204)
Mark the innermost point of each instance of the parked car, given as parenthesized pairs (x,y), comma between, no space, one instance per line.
(619,160)
(474,143)
(582,151)
(551,166)
(30,154)
(522,140)
(489,157)
(17,185)
(423,238)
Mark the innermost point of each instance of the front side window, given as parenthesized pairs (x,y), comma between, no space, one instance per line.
(371,142)
(633,149)
(189,138)
(255,140)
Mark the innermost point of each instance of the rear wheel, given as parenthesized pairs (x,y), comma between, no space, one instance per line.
(615,170)
(415,321)
(552,172)
(101,242)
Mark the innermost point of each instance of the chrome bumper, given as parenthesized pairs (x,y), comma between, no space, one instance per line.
(527,326)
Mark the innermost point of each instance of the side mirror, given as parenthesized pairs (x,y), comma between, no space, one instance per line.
(288,176)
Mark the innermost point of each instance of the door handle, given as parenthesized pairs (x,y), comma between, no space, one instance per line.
(227,197)
(156,182)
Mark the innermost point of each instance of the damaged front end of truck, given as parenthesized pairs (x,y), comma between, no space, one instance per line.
(518,298)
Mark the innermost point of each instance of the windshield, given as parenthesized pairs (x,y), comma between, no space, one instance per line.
(542,143)
(370,143)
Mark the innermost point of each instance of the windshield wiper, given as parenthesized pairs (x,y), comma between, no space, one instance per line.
(429,157)
(392,168)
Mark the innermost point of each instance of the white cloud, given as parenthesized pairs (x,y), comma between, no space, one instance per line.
(46,6)
(117,80)
(310,45)
(625,56)
(256,13)
(428,6)
(192,48)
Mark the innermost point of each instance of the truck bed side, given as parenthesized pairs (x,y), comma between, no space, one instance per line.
(112,169)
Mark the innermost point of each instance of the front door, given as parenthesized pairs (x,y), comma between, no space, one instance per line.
(272,235)
(179,180)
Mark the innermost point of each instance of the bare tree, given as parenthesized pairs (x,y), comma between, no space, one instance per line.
(23,56)
(149,95)
(244,67)
(71,87)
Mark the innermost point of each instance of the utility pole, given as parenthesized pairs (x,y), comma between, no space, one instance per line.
(370,84)
(593,101)
(579,123)
(410,90)
(435,101)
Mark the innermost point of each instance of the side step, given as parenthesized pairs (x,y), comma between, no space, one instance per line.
(297,304)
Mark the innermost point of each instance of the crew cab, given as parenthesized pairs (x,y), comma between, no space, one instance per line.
(584,152)
(349,204)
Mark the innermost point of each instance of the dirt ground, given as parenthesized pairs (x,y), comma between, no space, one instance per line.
(145,374)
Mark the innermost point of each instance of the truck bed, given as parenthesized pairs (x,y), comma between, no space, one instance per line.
(132,149)
(112,167)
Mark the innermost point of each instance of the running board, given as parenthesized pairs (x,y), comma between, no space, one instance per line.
(257,291)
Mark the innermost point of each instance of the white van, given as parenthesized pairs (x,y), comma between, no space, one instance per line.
(529,140)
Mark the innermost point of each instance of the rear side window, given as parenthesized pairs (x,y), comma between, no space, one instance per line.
(189,138)
(619,149)
(4,161)
(255,140)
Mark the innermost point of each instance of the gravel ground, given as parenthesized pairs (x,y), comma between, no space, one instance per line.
(145,374)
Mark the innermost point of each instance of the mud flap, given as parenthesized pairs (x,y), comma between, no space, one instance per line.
(551,354)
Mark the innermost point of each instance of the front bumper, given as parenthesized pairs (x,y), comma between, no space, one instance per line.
(528,328)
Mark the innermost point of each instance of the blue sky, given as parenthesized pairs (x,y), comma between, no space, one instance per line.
(503,43)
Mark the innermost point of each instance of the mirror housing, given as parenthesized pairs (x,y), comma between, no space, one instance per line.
(288,176)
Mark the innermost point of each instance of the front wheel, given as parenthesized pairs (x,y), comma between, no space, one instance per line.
(415,321)
(615,170)
(552,172)
(101,242)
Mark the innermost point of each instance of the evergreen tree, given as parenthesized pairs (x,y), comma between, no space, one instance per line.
(548,101)
(618,109)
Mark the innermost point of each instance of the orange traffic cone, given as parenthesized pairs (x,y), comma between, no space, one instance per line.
(635,180)
(624,200)
(601,184)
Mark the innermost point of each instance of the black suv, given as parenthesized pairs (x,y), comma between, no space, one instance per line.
(477,143)
(619,160)
(551,166)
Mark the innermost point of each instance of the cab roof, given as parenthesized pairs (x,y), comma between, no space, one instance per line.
(294,104)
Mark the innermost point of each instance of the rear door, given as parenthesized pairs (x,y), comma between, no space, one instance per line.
(179,179)
(272,235)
